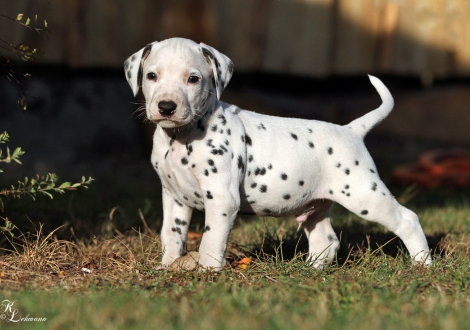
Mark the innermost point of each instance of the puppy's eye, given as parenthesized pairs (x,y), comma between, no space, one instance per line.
(193,79)
(151,76)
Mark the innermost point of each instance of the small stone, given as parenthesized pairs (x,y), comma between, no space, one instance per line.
(187,262)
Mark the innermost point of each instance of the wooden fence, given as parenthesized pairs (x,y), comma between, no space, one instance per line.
(305,37)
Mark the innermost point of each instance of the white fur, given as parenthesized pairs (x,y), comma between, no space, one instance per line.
(219,158)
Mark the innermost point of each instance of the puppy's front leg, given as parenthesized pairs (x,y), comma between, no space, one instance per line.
(176,217)
(221,209)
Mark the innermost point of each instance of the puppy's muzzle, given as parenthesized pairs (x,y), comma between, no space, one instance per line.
(166,108)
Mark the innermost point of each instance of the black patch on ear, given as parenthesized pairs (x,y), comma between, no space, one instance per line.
(207,55)
(145,54)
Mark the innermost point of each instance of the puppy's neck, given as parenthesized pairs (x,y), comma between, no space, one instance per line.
(198,127)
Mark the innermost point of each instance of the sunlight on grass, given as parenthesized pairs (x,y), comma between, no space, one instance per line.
(370,285)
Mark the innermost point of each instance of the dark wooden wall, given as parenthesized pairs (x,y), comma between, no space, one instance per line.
(306,37)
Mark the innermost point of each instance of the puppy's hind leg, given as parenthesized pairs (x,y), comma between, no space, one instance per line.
(374,202)
(322,240)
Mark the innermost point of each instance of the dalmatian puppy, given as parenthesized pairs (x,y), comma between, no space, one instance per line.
(216,157)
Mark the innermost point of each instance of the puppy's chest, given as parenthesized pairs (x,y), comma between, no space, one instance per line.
(176,164)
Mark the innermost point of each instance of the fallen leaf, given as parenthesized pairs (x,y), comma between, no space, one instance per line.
(243,263)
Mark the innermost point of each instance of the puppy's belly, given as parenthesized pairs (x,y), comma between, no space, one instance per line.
(275,203)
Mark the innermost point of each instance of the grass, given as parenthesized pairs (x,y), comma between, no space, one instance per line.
(371,284)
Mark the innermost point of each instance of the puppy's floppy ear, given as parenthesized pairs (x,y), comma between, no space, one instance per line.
(133,67)
(222,67)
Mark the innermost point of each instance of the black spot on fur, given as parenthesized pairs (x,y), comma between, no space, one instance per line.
(263,171)
(267,211)
(240,163)
(185,198)
(224,214)
(331,192)
(247,139)
(206,172)
(293,136)
(222,118)
(214,128)
(178,202)
(250,158)
(249,173)
(311,145)
(348,194)
(217,152)
(169,177)
(270,167)
(263,188)
(208,195)
(206,228)
(226,142)
(176,229)
(180,222)
(167,153)
(309,130)
(209,143)
(346,186)
(210,162)
(223,148)
(257,170)
(253,185)
(284,176)
(214,169)
(374,186)
(356,162)
(286,196)
(364,212)
(330,150)
(332,238)
(229,131)
(301,183)
(184,161)
(347,171)
(261,126)
(338,165)
(189,148)
(243,138)
(197,195)
(172,139)
(372,171)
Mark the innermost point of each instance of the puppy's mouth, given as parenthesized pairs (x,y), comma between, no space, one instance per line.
(172,121)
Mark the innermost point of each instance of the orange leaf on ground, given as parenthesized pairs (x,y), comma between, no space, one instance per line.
(243,263)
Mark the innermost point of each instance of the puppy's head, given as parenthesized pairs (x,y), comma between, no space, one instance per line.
(179,78)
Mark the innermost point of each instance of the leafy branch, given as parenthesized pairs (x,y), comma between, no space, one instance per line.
(22,50)
(15,156)
(43,185)
(37,185)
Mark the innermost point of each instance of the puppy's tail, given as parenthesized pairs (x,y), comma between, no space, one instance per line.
(361,126)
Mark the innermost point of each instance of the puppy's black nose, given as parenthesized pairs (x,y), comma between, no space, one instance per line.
(166,108)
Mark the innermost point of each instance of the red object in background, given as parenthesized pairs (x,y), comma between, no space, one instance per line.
(437,168)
